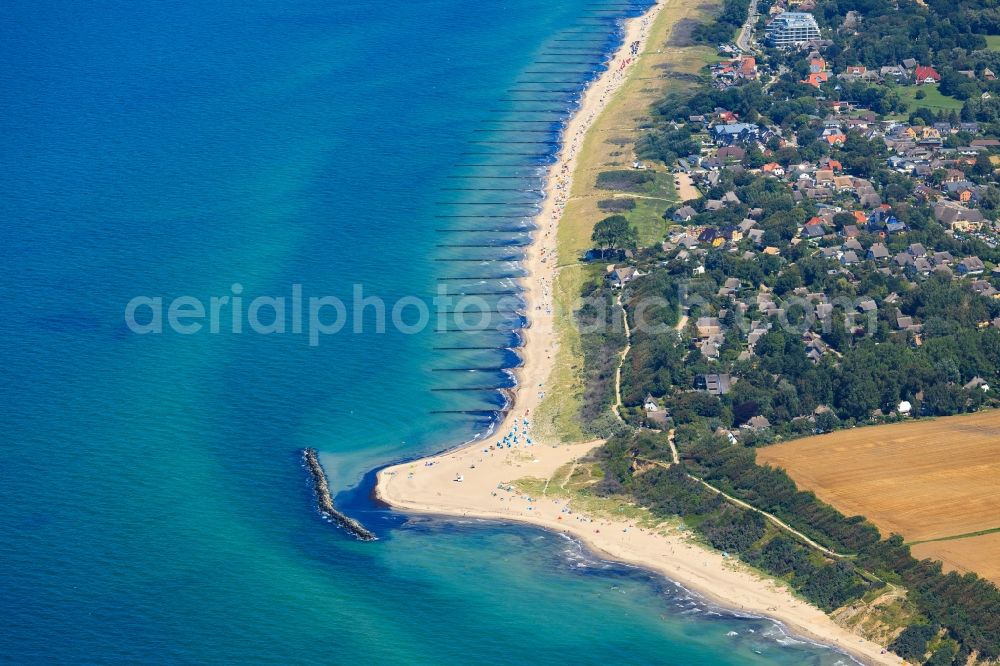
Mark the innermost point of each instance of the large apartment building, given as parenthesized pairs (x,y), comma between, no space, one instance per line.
(791,28)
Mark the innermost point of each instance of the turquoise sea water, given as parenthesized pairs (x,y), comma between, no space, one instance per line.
(152,504)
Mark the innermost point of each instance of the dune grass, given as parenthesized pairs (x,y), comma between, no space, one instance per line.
(557,418)
(609,145)
(574,482)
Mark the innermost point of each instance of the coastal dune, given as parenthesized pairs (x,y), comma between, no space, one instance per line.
(474,480)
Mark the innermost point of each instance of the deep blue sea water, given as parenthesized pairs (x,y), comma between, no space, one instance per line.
(152,503)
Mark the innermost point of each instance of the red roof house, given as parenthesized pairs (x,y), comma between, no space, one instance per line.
(926,75)
(817,78)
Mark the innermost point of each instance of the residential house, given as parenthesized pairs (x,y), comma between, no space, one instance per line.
(942,258)
(813,231)
(816,79)
(757,423)
(773,168)
(683,214)
(824,178)
(714,384)
(748,67)
(905,323)
(849,258)
(687,241)
(731,154)
(926,74)
(655,415)
(619,277)
(957,217)
(960,190)
(708,326)
(977,382)
(815,347)
(733,133)
(842,183)
(837,139)
(710,346)
(729,288)
(971,266)
(922,266)
(984,288)
(878,252)
(894,72)
(894,226)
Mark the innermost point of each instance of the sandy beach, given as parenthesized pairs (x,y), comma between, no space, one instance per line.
(473,481)
(430,486)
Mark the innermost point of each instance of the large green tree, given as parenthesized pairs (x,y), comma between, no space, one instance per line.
(615,233)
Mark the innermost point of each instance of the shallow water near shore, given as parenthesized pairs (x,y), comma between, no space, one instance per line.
(153,506)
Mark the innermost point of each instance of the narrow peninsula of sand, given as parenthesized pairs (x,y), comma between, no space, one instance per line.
(481,479)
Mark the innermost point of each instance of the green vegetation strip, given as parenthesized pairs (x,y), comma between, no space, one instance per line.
(956,537)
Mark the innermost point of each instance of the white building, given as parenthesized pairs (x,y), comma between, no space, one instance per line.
(792,28)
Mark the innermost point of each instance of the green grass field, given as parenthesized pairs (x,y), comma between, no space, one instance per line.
(647,216)
(934,99)
(993,42)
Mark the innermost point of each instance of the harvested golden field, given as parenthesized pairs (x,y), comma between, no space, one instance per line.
(978,553)
(924,479)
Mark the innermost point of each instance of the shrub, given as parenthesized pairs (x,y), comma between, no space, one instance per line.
(912,643)
(625,181)
(616,205)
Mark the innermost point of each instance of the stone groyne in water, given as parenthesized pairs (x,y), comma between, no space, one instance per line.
(324,501)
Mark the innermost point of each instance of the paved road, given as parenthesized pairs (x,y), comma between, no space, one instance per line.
(744,42)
